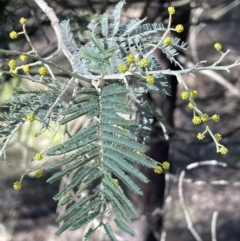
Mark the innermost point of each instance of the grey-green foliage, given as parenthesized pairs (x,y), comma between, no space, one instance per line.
(109,147)
(103,150)
(106,150)
(24,102)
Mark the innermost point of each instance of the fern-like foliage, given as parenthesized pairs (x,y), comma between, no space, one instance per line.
(103,155)
(24,102)
(102,151)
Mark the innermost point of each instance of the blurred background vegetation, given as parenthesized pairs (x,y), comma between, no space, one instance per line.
(30,214)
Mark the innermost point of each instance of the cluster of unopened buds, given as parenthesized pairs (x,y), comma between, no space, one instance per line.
(200,117)
(37,173)
(161,167)
(38,157)
(18,184)
(132,59)
(12,63)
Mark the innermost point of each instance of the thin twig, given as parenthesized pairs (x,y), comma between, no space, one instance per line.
(181,196)
(185,209)
(55,25)
(2,151)
(214,226)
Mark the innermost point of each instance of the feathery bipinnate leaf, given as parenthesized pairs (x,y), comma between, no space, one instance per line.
(84,213)
(67,36)
(109,232)
(124,226)
(103,148)
(104,24)
(117,16)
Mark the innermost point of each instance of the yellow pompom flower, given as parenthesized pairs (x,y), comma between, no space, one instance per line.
(196,120)
(179,28)
(190,105)
(116,181)
(205,117)
(218,136)
(143,63)
(218,46)
(39,156)
(14,72)
(130,59)
(17,185)
(122,68)
(184,95)
(223,150)
(30,117)
(167,41)
(23,20)
(13,35)
(171,10)
(158,170)
(200,136)
(150,79)
(193,93)
(25,68)
(12,64)
(38,173)
(46,88)
(215,118)
(42,70)
(165,165)
(23,57)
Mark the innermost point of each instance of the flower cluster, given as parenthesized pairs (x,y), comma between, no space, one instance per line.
(23,57)
(23,20)
(150,79)
(164,166)
(167,41)
(200,136)
(158,170)
(218,46)
(184,95)
(143,63)
(190,105)
(38,173)
(25,68)
(187,94)
(17,185)
(200,117)
(122,68)
(205,117)
(116,180)
(42,70)
(39,156)
(130,59)
(13,35)
(179,28)
(196,120)
(30,117)
(171,10)
(215,118)
(12,64)
(218,136)
(223,150)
